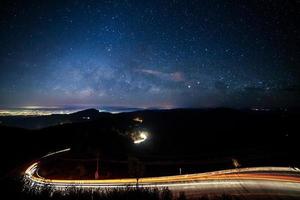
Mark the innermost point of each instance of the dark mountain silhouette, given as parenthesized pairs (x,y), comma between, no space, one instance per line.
(208,135)
(88,112)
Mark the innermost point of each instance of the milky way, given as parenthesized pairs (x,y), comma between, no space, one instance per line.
(149,53)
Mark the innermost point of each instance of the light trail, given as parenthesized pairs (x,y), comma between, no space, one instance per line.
(241,181)
(273,174)
(56,152)
(140,137)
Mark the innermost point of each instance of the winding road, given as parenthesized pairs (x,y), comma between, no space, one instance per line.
(247,182)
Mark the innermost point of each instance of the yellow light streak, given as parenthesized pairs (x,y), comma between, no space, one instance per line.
(232,174)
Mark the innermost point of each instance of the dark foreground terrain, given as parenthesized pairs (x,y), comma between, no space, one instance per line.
(189,140)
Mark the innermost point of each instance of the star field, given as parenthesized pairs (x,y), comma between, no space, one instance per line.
(150,53)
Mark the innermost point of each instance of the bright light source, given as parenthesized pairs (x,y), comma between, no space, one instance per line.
(139,137)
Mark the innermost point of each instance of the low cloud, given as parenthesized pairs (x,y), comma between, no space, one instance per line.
(174,76)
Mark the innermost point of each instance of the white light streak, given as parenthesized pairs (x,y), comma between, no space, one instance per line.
(141,137)
(221,179)
(56,152)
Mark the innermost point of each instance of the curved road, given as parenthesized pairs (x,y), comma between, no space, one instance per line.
(247,182)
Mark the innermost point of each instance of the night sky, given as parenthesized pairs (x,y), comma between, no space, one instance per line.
(150,53)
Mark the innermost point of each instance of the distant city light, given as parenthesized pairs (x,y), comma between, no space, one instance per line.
(35,111)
